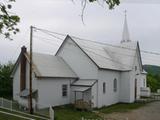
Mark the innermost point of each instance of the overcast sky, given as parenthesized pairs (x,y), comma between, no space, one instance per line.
(101,25)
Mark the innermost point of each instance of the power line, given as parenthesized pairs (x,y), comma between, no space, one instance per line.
(109,59)
(44,30)
(51,34)
(86,48)
(112,52)
(144,51)
(50,40)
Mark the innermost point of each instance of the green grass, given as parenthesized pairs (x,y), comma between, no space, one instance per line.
(68,112)
(121,107)
(9,117)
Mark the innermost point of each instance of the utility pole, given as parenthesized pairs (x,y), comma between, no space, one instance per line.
(30,73)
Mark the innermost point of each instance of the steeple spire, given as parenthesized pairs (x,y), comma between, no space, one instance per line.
(125,35)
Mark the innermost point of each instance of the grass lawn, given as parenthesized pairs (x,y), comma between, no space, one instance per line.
(121,107)
(68,112)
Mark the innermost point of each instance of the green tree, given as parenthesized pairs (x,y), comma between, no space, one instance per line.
(111,3)
(8,20)
(153,81)
(5,80)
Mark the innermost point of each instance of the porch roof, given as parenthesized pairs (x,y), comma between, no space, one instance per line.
(84,82)
(80,89)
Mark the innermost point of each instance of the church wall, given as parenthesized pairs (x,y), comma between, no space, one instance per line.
(110,96)
(135,78)
(143,82)
(125,85)
(78,60)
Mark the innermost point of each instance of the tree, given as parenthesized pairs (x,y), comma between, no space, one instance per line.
(8,20)
(111,3)
(153,81)
(5,80)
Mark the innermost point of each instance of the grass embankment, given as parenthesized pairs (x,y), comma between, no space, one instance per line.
(10,117)
(121,107)
(68,112)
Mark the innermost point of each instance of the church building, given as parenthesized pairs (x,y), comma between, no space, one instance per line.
(82,70)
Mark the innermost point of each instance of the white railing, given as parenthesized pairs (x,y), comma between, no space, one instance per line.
(6,103)
(51,112)
(145,92)
(15,106)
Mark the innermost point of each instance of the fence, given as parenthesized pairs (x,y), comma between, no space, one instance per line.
(15,106)
(155,96)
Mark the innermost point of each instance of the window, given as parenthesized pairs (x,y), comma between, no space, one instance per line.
(115,85)
(135,68)
(64,90)
(104,87)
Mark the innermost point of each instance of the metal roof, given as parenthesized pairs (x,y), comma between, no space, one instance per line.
(82,85)
(51,66)
(80,89)
(84,82)
(120,57)
(144,72)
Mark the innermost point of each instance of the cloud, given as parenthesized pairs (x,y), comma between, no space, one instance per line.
(101,24)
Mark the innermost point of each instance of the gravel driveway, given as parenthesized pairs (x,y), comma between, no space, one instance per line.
(149,112)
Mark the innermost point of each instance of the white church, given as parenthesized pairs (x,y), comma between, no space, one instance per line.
(95,73)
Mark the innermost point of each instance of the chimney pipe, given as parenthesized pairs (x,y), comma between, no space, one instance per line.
(23,69)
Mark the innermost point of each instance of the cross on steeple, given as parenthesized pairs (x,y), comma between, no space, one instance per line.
(125,35)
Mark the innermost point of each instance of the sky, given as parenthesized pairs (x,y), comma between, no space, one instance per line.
(100,24)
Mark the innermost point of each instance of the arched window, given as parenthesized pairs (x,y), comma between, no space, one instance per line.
(115,85)
(104,87)
(135,68)
(144,82)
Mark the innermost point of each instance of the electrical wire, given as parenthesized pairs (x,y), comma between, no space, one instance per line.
(61,34)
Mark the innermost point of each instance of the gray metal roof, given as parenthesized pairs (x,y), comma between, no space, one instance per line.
(51,66)
(80,89)
(120,57)
(84,82)
(144,72)
(82,85)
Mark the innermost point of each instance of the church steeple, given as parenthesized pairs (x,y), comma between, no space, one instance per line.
(125,35)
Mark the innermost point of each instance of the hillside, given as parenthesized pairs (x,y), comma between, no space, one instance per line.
(153,77)
(152,69)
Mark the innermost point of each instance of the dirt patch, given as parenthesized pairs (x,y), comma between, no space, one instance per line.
(149,112)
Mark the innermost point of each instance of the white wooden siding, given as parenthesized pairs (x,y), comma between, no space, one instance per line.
(78,61)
